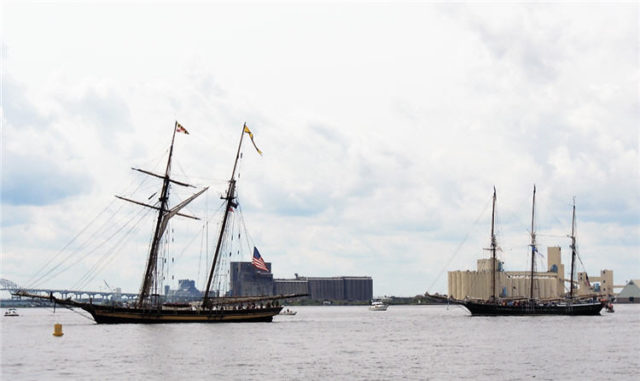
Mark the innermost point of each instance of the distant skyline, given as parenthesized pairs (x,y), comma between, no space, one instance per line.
(384,129)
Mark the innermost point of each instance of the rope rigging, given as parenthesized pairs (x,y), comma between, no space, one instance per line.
(110,254)
(103,237)
(459,247)
(105,226)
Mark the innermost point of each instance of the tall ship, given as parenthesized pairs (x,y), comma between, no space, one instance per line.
(498,306)
(149,307)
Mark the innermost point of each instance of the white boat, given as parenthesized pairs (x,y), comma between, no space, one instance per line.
(11,312)
(288,312)
(378,306)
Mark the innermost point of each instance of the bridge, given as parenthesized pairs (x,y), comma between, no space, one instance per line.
(98,296)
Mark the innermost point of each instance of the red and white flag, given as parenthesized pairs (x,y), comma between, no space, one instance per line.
(179,128)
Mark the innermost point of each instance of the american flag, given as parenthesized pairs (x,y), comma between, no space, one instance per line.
(257,261)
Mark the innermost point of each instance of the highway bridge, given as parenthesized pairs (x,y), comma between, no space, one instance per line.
(97,296)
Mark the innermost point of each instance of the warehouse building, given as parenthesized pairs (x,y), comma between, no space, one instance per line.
(248,280)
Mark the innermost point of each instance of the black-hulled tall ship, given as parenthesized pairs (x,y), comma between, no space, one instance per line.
(496,306)
(149,308)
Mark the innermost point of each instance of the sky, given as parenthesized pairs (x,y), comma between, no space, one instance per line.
(384,128)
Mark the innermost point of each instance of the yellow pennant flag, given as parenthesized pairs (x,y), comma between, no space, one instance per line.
(246,129)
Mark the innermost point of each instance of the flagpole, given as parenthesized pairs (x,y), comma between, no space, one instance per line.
(233,173)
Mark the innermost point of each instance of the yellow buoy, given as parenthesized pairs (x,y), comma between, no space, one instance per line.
(57,330)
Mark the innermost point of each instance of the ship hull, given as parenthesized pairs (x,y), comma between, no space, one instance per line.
(225,310)
(491,309)
(119,315)
(524,308)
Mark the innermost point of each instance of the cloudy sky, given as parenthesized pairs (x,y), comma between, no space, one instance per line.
(384,129)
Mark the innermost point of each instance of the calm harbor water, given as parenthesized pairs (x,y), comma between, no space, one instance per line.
(352,343)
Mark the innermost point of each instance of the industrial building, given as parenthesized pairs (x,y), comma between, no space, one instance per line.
(602,284)
(344,288)
(186,291)
(517,284)
(290,286)
(247,280)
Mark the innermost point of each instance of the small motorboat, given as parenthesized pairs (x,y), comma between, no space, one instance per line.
(288,312)
(378,306)
(11,312)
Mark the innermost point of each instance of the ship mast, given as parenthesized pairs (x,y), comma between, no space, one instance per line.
(230,203)
(533,241)
(573,247)
(493,248)
(152,261)
(164,215)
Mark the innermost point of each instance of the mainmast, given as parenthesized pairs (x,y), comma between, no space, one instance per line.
(493,248)
(573,247)
(534,250)
(230,203)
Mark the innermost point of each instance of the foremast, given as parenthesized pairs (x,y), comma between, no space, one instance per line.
(230,203)
(164,215)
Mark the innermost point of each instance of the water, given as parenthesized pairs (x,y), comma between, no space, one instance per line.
(328,343)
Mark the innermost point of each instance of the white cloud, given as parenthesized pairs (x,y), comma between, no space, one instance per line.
(383,128)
